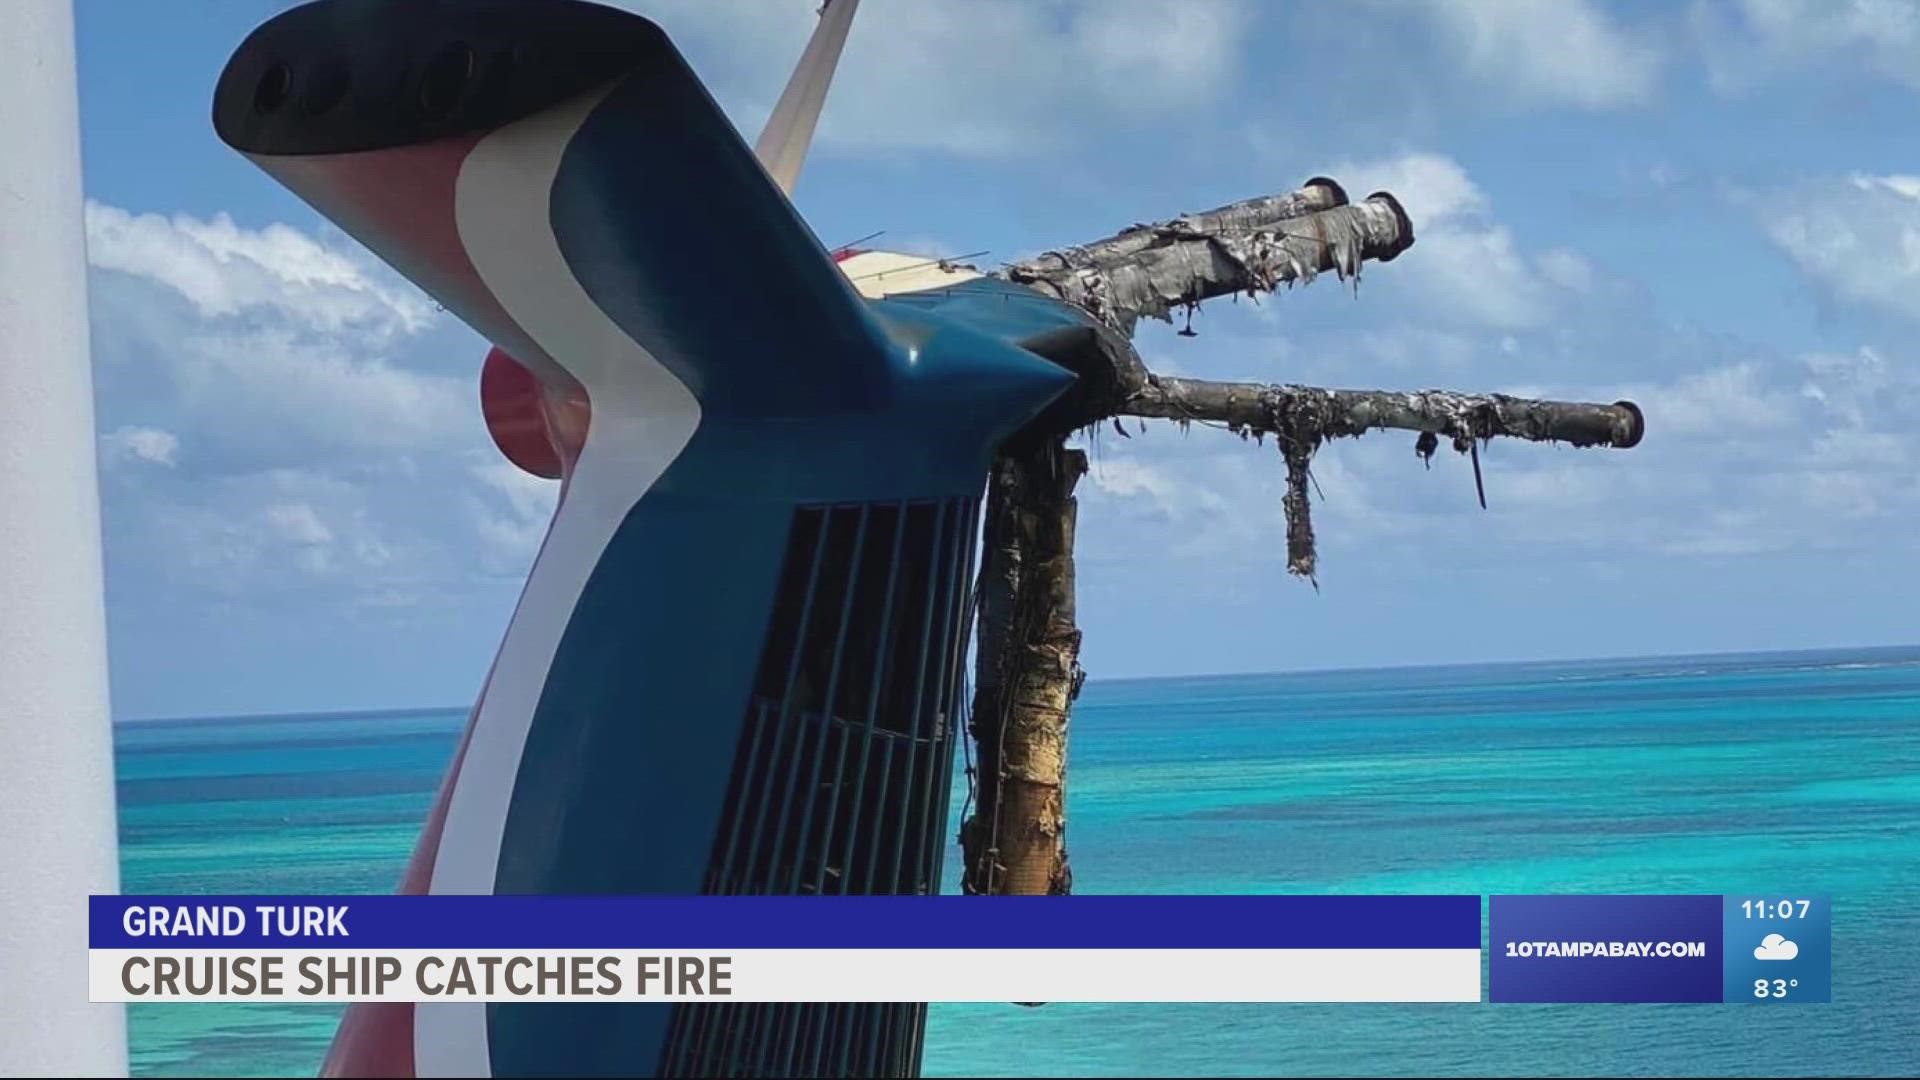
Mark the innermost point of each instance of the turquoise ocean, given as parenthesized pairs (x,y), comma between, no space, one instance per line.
(1774,773)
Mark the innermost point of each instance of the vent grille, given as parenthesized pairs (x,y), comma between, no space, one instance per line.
(840,784)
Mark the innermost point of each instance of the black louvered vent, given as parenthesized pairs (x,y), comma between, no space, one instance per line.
(840,784)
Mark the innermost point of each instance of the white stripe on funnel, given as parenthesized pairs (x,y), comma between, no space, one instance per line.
(642,417)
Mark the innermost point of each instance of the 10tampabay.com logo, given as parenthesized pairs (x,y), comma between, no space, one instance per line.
(1731,948)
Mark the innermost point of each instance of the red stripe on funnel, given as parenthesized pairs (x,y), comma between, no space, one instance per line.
(375,1038)
(400,203)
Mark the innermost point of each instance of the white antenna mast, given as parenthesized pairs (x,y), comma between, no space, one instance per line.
(783,143)
(56,740)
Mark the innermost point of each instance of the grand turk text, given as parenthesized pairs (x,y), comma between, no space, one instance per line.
(230,920)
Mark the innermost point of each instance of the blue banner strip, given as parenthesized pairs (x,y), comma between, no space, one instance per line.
(784,922)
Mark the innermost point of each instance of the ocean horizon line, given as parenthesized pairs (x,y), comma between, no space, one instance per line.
(1481,665)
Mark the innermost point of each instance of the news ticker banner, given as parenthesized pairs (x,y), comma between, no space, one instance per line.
(959,949)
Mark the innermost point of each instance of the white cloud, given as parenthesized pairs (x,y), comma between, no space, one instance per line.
(253,537)
(1906,186)
(1464,265)
(1747,41)
(1849,386)
(1563,51)
(1174,497)
(1737,399)
(299,526)
(284,347)
(298,523)
(1567,269)
(225,270)
(1776,456)
(1386,347)
(512,518)
(329,459)
(269,390)
(968,76)
(150,445)
(1859,239)
(1201,499)
(1182,54)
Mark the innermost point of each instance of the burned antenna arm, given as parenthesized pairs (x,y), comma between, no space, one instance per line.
(1301,418)
(1270,408)
(1251,247)
(1254,247)
(1027,662)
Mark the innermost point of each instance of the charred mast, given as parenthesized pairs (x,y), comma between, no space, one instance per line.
(1028,673)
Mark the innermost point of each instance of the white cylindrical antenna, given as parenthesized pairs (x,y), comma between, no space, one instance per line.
(783,143)
(56,741)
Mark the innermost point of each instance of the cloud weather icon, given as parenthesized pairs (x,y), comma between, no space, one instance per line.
(1775,947)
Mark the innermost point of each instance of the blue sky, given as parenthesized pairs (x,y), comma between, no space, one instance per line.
(1706,207)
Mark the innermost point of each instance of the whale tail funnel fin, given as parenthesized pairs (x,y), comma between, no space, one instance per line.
(456,139)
